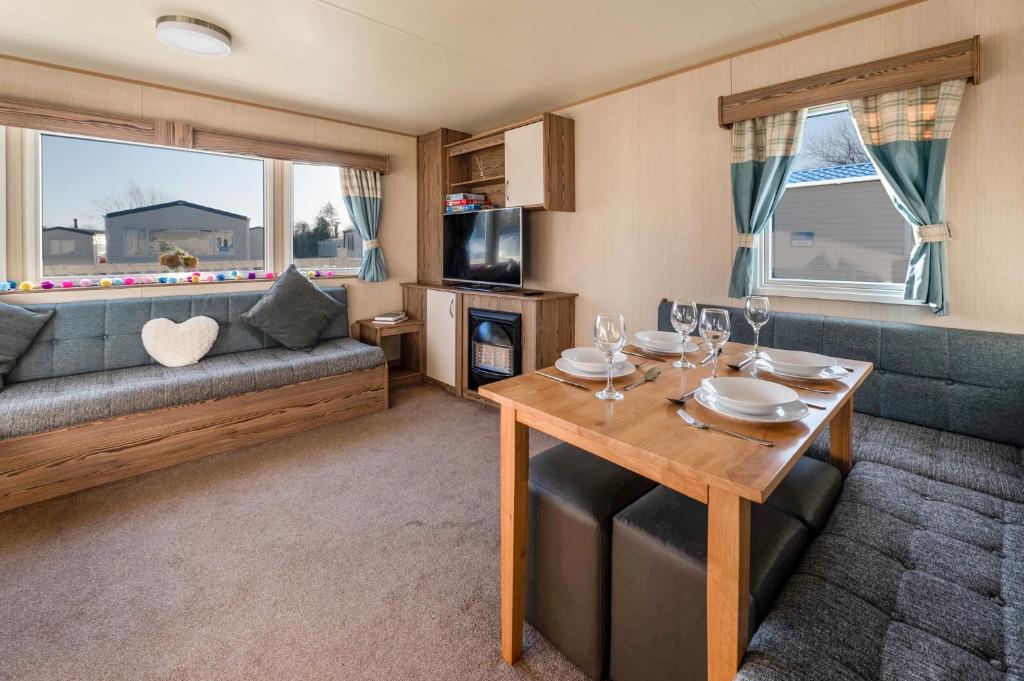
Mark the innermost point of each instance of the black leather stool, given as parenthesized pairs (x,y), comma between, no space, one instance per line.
(808,493)
(573,497)
(659,563)
(659,582)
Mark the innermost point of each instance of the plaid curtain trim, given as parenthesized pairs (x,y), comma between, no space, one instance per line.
(360,182)
(916,114)
(757,139)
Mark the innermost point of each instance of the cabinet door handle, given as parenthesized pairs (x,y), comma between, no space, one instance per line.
(507,198)
(451,308)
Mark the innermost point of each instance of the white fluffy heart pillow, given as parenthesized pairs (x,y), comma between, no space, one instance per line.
(178,345)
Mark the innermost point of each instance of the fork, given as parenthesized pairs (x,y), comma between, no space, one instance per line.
(710,426)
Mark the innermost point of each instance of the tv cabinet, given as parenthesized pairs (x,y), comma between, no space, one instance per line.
(548,327)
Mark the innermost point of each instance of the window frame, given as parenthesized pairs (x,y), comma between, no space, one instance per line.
(288,218)
(869,292)
(32,195)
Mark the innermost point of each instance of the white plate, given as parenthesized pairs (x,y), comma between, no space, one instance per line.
(663,350)
(618,370)
(590,360)
(794,411)
(748,395)
(797,363)
(830,374)
(665,340)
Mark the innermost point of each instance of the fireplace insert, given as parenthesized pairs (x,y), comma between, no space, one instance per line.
(495,346)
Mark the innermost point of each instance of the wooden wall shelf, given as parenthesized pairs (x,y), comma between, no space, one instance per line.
(479,181)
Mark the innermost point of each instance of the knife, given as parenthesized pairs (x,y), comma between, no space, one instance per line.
(561,380)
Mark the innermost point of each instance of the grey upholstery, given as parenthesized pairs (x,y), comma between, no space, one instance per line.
(911,579)
(659,582)
(969,462)
(45,404)
(91,336)
(969,382)
(808,493)
(573,496)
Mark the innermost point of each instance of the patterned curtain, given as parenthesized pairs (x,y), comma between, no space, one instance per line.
(361,191)
(763,152)
(906,134)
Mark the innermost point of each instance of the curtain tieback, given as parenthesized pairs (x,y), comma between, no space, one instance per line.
(748,240)
(371,243)
(925,234)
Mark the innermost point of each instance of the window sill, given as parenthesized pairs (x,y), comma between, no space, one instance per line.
(180,288)
(828,291)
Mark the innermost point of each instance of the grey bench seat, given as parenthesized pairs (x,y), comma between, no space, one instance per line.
(911,578)
(49,403)
(973,463)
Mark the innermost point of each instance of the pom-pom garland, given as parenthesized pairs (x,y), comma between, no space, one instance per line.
(145,280)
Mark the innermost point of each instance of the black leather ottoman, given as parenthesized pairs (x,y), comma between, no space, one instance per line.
(808,493)
(573,497)
(659,571)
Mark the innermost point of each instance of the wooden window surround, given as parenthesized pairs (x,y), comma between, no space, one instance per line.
(170,133)
(961,59)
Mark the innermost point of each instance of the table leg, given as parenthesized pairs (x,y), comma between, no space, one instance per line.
(841,438)
(515,454)
(728,597)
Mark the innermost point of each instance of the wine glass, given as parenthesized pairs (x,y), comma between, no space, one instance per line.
(609,338)
(684,321)
(714,329)
(756,312)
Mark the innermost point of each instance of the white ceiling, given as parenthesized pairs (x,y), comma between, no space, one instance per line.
(411,65)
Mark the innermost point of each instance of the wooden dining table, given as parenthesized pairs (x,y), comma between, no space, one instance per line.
(644,434)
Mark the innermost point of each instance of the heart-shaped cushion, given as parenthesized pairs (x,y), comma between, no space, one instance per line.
(178,345)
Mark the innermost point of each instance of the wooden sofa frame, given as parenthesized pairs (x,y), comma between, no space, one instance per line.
(53,463)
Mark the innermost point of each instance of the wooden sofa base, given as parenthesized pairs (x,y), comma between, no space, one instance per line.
(46,465)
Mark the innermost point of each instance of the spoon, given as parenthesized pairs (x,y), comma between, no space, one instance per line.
(650,375)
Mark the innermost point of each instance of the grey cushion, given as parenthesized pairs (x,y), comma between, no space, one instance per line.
(90,336)
(295,312)
(963,381)
(46,404)
(972,463)
(911,579)
(18,328)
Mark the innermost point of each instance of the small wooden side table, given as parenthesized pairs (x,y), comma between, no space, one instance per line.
(408,368)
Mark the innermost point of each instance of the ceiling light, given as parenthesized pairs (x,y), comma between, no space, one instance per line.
(194,36)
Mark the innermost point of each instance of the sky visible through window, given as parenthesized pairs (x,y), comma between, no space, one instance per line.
(80,175)
(836,127)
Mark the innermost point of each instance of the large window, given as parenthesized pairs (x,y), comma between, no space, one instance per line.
(323,237)
(835,233)
(110,208)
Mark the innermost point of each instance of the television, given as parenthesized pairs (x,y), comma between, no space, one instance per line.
(484,247)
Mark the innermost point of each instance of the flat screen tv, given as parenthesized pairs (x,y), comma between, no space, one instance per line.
(484,247)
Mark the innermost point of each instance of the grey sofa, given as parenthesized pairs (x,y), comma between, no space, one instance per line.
(88,362)
(919,572)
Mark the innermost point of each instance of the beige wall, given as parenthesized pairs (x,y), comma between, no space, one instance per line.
(59,87)
(654,214)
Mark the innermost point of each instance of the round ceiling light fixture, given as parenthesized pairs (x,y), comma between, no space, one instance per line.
(194,36)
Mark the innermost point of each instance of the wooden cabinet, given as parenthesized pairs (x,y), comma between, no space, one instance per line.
(524,165)
(441,324)
(548,327)
(432,169)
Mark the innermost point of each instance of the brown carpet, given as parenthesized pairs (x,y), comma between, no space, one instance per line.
(362,550)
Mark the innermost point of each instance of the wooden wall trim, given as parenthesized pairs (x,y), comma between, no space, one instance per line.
(22,114)
(961,59)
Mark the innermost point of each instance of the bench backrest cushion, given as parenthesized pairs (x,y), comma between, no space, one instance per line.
(962,381)
(87,336)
